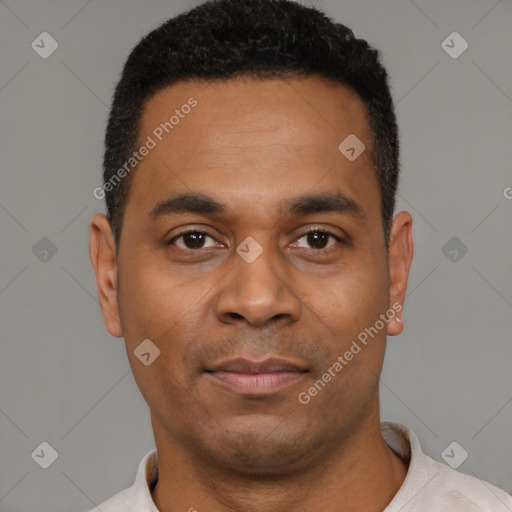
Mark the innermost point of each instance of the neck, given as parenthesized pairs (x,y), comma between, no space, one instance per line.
(360,473)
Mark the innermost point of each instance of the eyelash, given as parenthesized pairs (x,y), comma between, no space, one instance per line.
(305,233)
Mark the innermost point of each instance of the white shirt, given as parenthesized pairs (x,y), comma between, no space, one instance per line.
(429,486)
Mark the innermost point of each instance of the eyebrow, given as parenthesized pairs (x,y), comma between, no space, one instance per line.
(300,205)
(188,203)
(320,203)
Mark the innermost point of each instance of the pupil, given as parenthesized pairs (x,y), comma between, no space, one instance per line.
(316,238)
(195,238)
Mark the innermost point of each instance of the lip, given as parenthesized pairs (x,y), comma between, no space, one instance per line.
(255,378)
(268,365)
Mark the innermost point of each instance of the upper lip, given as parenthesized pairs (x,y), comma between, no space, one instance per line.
(269,365)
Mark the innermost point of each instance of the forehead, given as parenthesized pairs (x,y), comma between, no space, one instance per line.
(258,140)
(298,112)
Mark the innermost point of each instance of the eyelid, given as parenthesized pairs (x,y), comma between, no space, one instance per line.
(314,229)
(322,229)
(304,232)
(192,230)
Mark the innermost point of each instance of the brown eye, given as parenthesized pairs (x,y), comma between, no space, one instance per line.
(192,240)
(318,239)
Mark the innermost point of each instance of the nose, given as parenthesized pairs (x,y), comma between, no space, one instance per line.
(258,293)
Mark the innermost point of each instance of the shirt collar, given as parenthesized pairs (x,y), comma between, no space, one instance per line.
(145,481)
(404,443)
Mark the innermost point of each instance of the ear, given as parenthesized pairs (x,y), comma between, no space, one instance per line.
(401,251)
(102,252)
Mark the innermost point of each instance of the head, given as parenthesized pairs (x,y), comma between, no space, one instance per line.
(221,40)
(292,250)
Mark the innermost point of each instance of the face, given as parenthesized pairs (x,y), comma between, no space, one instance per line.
(283,267)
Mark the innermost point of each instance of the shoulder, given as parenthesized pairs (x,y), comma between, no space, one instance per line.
(431,485)
(136,498)
(117,503)
(456,491)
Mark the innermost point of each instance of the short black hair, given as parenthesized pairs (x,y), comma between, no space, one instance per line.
(225,39)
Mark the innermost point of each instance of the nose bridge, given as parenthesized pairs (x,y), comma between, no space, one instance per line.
(257,288)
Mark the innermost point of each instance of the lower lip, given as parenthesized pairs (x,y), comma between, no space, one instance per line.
(257,383)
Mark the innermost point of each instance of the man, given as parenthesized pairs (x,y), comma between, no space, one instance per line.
(251,262)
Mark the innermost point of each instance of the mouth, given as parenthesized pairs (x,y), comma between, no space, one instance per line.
(256,378)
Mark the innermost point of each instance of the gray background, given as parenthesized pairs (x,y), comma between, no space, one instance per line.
(64,380)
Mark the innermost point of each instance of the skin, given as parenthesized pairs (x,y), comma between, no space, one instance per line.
(253,145)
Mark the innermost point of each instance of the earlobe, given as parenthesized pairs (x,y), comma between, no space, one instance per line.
(102,253)
(401,252)
(396,325)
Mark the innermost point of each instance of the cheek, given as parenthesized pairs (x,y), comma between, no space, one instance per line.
(154,303)
(167,310)
(154,308)
(351,299)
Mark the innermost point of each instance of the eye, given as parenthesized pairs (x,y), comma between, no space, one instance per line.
(192,239)
(319,239)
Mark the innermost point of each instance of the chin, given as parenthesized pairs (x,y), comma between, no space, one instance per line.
(264,451)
